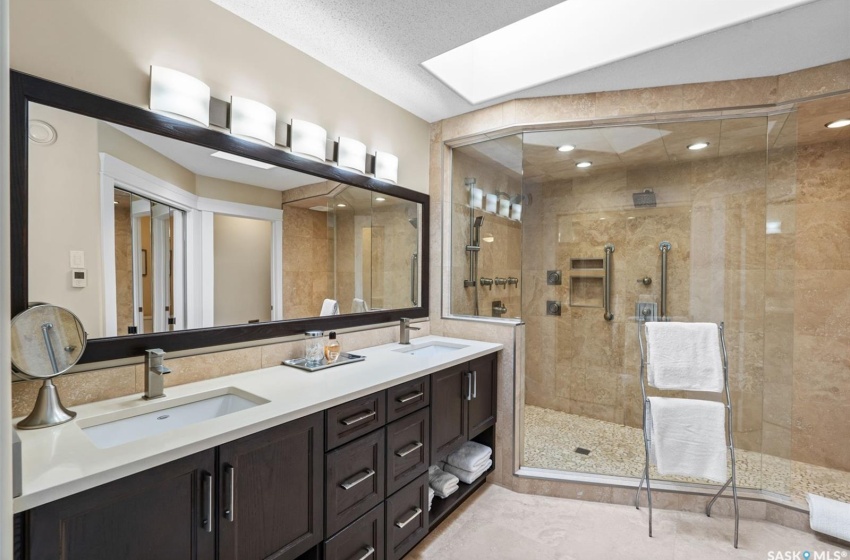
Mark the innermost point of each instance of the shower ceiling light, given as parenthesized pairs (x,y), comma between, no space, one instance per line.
(698,146)
(583,164)
(340,205)
(180,96)
(379,199)
(566,148)
(840,123)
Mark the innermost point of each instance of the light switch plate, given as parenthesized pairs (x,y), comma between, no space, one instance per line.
(78,259)
(79,278)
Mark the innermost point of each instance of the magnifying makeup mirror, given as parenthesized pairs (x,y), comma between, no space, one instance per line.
(47,341)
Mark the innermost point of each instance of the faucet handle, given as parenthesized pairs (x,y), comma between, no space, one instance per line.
(156,352)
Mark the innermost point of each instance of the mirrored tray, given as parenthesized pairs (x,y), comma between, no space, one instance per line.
(344,358)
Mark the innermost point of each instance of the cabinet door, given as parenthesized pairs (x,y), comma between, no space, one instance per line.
(448,410)
(270,501)
(164,512)
(482,405)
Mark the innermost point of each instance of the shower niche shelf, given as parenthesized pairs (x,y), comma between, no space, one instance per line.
(587,282)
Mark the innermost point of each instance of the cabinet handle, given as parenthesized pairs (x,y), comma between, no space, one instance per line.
(416,513)
(206,507)
(352,482)
(410,397)
(469,385)
(475,384)
(409,449)
(369,552)
(355,419)
(229,489)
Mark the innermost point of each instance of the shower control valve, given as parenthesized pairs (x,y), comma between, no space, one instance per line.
(500,281)
(487,282)
(513,281)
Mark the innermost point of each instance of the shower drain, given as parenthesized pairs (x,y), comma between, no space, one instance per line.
(582,451)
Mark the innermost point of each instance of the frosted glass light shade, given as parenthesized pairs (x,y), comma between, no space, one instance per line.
(308,139)
(351,153)
(180,96)
(251,119)
(386,166)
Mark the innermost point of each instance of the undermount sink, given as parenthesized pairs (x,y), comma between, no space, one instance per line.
(117,429)
(429,349)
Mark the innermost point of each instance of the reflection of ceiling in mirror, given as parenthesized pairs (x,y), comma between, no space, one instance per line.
(199,161)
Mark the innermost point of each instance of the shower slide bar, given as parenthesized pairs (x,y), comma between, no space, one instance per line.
(606,288)
(414,273)
(664,247)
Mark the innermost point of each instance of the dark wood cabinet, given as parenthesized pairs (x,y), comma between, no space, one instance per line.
(408,449)
(349,421)
(407,517)
(448,410)
(165,512)
(270,492)
(363,539)
(482,405)
(408,397)
(354,480)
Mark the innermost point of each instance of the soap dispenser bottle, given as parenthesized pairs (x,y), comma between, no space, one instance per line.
(332,348)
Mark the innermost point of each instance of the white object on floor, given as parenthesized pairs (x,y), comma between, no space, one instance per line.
(443,483)
(468,477)
(688,437)
(684,356)
(359,306)
(829,517)
(469,456)
(329,307)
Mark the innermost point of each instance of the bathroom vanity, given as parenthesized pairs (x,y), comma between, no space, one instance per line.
(332,464)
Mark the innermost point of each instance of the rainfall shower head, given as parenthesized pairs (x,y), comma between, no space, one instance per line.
(645,199)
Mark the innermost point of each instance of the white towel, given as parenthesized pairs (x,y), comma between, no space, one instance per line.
(465,476)
(469,456)
(443,483)
(829,517)
(684,356)
(430,497)
(359,306)
(688,437)
(329,307)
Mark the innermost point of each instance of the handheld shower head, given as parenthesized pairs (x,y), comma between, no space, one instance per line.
(478,221)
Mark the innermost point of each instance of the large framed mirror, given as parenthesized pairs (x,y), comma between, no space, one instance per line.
(159,233)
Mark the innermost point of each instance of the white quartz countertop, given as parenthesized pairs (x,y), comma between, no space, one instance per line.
(61,460)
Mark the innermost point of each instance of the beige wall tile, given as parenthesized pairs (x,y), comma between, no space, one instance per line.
(639,101)
(814,81)
(78,388)
(730,93)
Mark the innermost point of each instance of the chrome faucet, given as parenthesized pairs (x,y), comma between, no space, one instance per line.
(404,330)
(154,370)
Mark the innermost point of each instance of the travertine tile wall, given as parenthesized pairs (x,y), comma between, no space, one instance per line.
(392,253)
(307,262)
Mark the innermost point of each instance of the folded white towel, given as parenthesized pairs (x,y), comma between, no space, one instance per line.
(465,476)
(688,437)
(430,497)
(443,483)
(329,307)
(469,456)
(829,517)
(684,356)
(359,306)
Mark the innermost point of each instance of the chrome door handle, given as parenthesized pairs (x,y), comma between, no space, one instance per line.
(409,449)
(469,385)
(416,513)
(475,384)
(410,397)
(207,490)
(369,552)
(352,482)
(229,491)
(355,419)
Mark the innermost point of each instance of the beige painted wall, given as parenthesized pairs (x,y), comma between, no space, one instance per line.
(220,189)
(241,248)
(108,47)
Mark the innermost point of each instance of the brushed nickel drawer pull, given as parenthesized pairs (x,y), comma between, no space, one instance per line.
(230,490)
(410,397)
(369,552)
(352,482)
(409,449)
(206,490)
(416,513)
(355,419)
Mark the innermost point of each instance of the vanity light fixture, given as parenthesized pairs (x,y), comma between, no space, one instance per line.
(840,123)
(308,139)
(584,164)
(351,153)
(698,146)
(179,96)
(386,166)
(566,148)
(243,160)
(253,120)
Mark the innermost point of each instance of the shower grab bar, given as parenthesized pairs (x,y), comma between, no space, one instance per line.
(664,247)
(606,289)
(414,269)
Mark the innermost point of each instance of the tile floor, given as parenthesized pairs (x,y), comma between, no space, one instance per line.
(499,524)
(551,438)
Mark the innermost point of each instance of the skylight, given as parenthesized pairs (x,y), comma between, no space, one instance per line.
(578,35)
(243,160)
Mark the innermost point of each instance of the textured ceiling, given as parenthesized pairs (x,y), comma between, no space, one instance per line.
(381,44)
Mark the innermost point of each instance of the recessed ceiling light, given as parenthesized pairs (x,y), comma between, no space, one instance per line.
(340,205)
(838,124)
(379,199)
(242,160)
(698,146)
(566,148)
(583,164)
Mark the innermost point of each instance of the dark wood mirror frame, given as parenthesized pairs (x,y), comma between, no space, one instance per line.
(26,88)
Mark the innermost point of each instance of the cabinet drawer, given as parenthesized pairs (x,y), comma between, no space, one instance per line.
(407,517)
(354,480)
(362,540)
(351,420)
(408,449)
(408,397)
